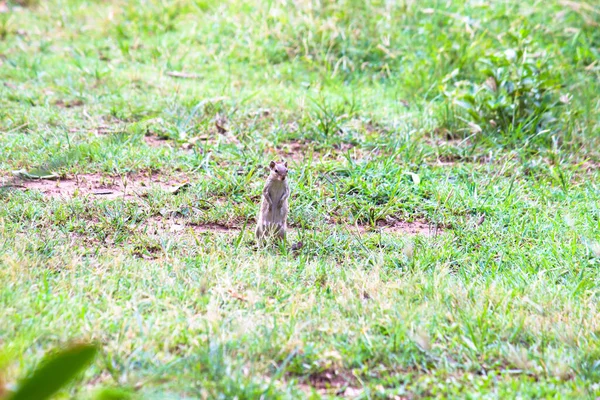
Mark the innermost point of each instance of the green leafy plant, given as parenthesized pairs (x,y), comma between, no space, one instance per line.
(518,96)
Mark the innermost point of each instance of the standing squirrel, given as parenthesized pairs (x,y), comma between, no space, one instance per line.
(272,217)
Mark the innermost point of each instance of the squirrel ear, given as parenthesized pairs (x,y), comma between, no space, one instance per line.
(285,163)
(272,164)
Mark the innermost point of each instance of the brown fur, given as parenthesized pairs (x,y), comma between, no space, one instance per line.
(272,217)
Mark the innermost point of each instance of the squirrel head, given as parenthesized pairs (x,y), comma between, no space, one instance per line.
(278,169)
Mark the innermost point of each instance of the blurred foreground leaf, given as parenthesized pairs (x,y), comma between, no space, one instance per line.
(113,394)
(55,372)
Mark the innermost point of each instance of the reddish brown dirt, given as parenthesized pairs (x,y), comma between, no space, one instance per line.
(591,166)
(101,186)
(343,147)
(165,224)
(402,228)
(298,151)
(441,163)
(213,227)
(332,382)
(329,379)
(157,225)
(294,150)
(68,103)
(155,141)
(413,228)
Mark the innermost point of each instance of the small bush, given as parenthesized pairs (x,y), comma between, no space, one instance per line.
(518,95)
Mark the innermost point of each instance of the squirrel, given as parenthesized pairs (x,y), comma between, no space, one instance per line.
(272,217)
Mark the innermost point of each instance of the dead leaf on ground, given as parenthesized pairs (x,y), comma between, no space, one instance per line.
(181,189)
(294,150)
(155,141)
(220,122)
(566,98)
(192,142)
(220,129)
(104,129)
(352,392)
(68,104)
(183,75)
(480,220)
(236,295)
(331,381)
(102,192)
(211,227)
(491,83)
(261,112)
(475,129)
(415,178)
(591,66)
(35,174)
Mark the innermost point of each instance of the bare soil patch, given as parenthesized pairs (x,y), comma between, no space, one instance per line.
(440,163)
(101,186)
(394,226)
(68,103)
(370,126)
(155,141)
(589,166)
(332,382)
(298,151)
(294,150)
(159,225)
(344,147)
(454,160)
(213,227)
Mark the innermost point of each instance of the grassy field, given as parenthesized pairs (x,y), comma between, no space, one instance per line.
(445,173)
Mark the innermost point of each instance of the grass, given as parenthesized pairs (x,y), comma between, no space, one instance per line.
(386,111)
